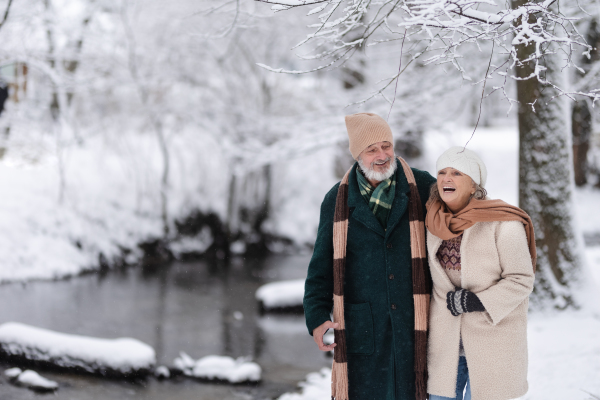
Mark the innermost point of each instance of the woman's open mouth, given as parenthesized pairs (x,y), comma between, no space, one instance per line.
(448,189)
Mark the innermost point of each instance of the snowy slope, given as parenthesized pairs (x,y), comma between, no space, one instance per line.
(109,202)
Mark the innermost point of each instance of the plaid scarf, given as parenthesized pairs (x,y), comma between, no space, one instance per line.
(379,199)
(421,287)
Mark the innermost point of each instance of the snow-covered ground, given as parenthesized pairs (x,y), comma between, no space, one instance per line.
(564,360)
(316,386)
(104,207)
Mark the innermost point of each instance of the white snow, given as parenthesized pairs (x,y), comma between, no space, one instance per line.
(184,362)
(281,294)
(219,368)
(316,386)
(12,373)
(162,372)
(564,356)
(33,380)
(124,355)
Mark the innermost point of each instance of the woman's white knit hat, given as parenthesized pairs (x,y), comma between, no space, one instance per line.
(466,161)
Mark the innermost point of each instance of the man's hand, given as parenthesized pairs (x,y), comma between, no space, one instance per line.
(318,333)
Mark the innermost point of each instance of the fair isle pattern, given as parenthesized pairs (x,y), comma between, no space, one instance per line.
(421,286)
(449,253)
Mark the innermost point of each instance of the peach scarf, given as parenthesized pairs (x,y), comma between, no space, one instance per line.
(442,223)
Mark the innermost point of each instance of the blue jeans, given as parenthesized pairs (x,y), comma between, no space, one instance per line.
(461,380)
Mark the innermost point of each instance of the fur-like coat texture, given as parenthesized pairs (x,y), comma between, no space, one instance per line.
(378,291)
(495,265)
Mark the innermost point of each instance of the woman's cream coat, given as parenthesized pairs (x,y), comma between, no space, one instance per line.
(496,265)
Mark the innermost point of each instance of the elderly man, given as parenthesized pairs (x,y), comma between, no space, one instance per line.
(369,269)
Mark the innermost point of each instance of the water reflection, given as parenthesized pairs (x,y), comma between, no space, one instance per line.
(198,308)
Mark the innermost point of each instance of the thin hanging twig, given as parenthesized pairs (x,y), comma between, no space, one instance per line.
(398,77)
(482,95)
(6,13)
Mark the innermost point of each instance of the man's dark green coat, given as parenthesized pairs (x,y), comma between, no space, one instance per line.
(378,294)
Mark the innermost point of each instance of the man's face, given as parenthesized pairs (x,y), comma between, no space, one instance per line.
(378,156)
(377,162)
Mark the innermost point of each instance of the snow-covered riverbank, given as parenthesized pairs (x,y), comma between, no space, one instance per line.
(107,201)
(110,199)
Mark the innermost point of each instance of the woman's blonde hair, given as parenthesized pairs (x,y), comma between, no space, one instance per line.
(480,192)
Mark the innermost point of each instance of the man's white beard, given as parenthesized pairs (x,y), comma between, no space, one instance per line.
(373,175)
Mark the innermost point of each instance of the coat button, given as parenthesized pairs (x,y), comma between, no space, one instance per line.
(391,276)
(389,245)
(393,306)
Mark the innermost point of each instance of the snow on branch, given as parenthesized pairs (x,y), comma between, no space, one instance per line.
(447,27)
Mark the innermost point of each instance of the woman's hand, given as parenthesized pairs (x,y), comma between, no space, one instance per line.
(318,333)
(463,301)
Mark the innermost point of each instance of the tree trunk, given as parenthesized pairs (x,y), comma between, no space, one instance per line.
(581,117)
(582,131)
(546,180)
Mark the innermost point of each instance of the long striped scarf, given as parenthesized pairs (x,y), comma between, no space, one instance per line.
(421,287)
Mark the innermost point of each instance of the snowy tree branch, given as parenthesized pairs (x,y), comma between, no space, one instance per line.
(448,26)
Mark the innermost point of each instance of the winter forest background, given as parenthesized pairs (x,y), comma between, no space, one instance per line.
(194,141)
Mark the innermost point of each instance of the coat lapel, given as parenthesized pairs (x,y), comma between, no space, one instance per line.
(362,213)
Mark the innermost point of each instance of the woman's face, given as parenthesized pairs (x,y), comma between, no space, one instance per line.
(455,188)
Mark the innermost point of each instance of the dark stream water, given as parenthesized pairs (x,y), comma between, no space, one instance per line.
(191,307)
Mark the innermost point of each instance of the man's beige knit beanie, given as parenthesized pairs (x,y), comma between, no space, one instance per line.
(364,129)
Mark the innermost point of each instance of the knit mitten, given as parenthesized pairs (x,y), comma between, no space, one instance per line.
(463,301)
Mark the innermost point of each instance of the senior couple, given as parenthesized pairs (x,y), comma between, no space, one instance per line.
(426,278)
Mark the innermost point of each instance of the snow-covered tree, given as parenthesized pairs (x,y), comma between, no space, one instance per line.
(530,43)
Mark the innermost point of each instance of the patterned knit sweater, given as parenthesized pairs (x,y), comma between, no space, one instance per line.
(449,257)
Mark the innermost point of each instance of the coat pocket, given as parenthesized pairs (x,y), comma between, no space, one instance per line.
(359,328)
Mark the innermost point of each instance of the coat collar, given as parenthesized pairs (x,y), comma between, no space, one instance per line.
(363,213)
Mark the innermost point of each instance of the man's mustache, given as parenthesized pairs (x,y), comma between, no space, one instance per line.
(380,162)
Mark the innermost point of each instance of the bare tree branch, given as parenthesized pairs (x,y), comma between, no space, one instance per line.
(6,13)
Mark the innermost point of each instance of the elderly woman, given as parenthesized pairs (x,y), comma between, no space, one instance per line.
(482,260)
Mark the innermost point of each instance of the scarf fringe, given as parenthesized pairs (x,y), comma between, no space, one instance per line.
(421,385)
(339,386)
